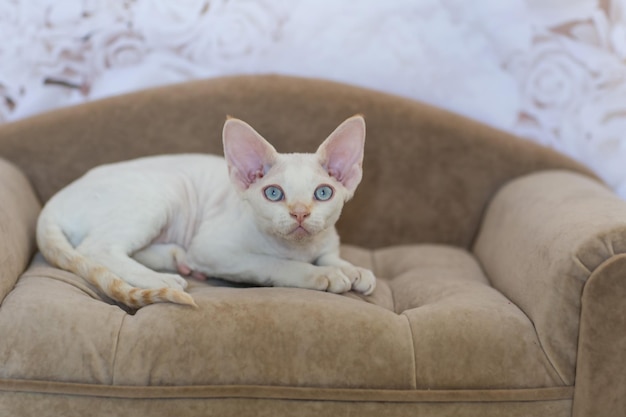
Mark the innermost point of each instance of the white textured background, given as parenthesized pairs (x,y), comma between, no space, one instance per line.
(553,71)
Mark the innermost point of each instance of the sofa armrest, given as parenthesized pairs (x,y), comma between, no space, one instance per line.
(543,237)
(19,208)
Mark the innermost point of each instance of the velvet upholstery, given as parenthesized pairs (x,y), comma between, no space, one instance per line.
(501,267)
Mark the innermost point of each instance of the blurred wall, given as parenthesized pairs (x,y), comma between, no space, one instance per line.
(553,71)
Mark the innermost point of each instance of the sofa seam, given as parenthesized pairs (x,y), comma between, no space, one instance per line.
(116,348)
(579,262)
(565,393)
(413,359)
(609,244)
(548,357)
(374,264)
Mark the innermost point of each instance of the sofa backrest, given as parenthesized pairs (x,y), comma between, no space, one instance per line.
(428,174)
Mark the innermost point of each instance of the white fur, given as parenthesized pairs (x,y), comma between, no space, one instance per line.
(207,216)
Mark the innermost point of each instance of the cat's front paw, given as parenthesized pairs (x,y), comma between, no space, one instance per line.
(362,280)
(332,279)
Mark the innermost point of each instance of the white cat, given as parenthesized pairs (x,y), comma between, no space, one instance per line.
(271,223)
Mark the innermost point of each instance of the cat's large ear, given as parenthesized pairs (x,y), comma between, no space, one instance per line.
(248,155)
(341,154)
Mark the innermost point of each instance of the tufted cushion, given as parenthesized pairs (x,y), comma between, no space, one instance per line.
(433,323)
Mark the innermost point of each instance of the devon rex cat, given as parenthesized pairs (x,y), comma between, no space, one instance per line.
(256,216)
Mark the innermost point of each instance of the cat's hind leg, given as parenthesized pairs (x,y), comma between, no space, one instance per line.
(118,260)
(162,257)
(167,257)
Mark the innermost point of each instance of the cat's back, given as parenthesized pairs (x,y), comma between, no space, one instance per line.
(172,185)
(170,164)
(160,171)
(136,181)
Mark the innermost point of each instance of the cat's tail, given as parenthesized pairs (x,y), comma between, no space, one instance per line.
(57,250)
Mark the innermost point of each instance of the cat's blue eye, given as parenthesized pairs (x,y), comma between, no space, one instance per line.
(274,193)
(323,193)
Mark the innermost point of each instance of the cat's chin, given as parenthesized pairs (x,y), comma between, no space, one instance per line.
(297,234)
(300,233)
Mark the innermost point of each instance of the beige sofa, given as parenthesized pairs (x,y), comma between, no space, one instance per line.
(501,265)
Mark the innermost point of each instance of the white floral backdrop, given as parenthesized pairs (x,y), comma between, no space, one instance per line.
(553,71)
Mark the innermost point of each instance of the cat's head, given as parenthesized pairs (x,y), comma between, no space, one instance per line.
(295,196)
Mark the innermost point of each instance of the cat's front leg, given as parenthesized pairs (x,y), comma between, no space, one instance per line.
(271,271)
(362,280)
(327,279)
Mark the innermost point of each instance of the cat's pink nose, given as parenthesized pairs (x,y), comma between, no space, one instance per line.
(300,213)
